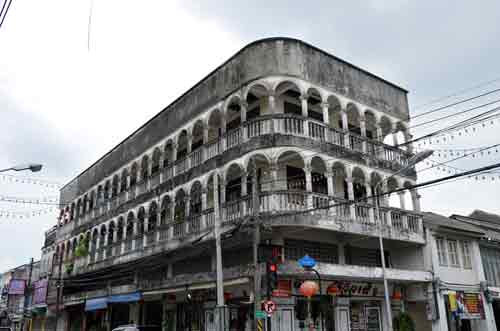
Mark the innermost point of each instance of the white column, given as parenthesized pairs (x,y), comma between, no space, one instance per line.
(203,207)
(244,179)
(371,212)
(402,203)
(350,194)
(272,109)
(326,115)
(218,246)
(309,189)
(273,169)
(330,183)
(362,125)
(345,127)
(305,113)
(415,200)
(243,116)
(394,135)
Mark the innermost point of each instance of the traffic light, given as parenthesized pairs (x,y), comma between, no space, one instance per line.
(272,276)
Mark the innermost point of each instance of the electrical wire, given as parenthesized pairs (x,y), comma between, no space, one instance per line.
(455,103)
(457,93)
(5,12)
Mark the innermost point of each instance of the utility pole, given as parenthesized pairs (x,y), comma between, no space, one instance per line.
(218,256)
(26,293)
(256,241)
(58,287)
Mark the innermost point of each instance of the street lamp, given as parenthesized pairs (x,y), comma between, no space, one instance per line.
(419,157)
(34,167)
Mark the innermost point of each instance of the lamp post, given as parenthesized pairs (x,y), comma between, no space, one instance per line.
(33,167)
(308,264)
(411,162)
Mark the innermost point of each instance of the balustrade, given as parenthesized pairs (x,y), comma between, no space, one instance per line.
(233,138)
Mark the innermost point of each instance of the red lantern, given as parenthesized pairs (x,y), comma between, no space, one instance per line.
(309,288)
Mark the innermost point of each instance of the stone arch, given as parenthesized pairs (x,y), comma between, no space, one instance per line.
(130,224)
(291,174)
(141,218)
(288,97)
(359,180)
(144,168)
(152,216)
(314,104)
(111,231)
(114,186)
(133,174)
(123,180)
(155,161)
(92,202)
(256,98)
(120,229)
(107,190)
(180,206)
(232,112)
(100,196)
(370,124)
(353,118)
(168,154)
(216,125)
(195,197)
(386,128)
(318,175)
(233,177)
(166,207)
(72,211)
(182,144)
(334,112)
(393,199)
(197,133)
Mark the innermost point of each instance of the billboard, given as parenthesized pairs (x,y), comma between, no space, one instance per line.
(17,286)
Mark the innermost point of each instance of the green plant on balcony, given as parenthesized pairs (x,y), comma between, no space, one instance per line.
(82,248)
(69,268)
(403,322)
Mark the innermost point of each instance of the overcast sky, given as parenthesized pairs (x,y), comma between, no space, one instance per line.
(65,106)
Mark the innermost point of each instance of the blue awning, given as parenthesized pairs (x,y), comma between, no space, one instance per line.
(96,304)
(129,297)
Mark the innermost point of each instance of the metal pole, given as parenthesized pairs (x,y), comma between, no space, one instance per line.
(382,257)
(58,287)
(218,254)
(28,284)
(256,241)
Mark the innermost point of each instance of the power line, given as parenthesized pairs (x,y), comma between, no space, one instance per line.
(459,92)
(455,103)
(5,12)
(455,114)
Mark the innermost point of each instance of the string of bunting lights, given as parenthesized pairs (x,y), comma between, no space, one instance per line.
(459,131)
(5,213)
(31,181)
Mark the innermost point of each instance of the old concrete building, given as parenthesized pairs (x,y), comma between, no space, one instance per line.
(135,240)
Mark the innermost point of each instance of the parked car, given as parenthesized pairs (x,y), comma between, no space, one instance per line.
(134,327)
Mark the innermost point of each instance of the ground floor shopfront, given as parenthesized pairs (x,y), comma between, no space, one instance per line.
(344,305)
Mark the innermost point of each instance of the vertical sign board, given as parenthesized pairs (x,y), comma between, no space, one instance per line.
(40,292)
(17,286)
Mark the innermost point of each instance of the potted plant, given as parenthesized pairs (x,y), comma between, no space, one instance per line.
(403,322)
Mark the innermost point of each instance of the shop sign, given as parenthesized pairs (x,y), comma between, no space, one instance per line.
(40,292)
(466,305)
(354,289)
(16,286)
(284,289)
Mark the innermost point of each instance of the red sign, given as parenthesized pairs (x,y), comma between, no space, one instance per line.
(284,289)
(269,306)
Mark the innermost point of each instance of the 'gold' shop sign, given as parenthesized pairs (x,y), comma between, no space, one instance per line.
(355,289)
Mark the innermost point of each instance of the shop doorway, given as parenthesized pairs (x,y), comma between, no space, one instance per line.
(153,313)
(496,312)
(120,314)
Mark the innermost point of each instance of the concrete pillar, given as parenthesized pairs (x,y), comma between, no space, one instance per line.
(402,203)
(362,125)
(394,135)
(330,183)
(309,189)
(371,212)
(204,192)
(272,109)
(305,113)
(415,197)
(345,128)
(243,116)
(350,194)
(244,179)
(341,252)
(326,115)
(273,169)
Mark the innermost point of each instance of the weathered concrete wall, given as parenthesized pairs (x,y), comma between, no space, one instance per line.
(277,56)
